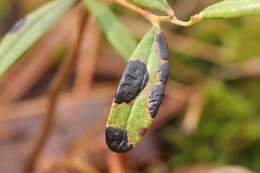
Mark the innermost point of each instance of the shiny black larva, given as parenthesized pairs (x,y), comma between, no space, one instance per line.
(164,73)
(155,99)
(163,47)
(117,140)
(133,81)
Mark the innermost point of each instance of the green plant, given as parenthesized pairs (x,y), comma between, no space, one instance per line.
(136,113)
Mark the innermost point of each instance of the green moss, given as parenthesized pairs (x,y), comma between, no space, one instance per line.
(227,134)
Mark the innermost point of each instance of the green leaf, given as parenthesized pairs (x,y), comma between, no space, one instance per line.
(115,32)
(141,53)
(139,94)
(29,30)
(232,8)
(158,5)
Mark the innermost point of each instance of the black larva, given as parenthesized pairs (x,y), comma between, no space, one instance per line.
(155,99)
(18,25)
(133,81)
(163,47)
(116,139)
(164,73)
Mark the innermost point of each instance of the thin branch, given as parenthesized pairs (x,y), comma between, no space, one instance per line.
(115,163)
(55,89)
(149,16)
(193,20)
(87,58)
(155,19)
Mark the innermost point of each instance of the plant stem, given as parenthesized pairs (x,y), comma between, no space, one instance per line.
(55,89)
(155,19)
(193,20)
(137,9)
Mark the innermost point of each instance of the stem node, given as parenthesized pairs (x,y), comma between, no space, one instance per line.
(155,19)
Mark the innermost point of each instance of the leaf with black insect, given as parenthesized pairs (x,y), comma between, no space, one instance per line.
(139,94)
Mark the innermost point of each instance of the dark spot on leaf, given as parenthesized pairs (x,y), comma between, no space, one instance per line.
(117,141)
(142,131)
(163,47)
(17,25)
(155,99)
(133,81)
(164,73)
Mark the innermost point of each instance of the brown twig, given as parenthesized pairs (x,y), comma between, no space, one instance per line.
(155,19)
(114,162)
(149,16)
(72,164)
(55,89)
(88,56)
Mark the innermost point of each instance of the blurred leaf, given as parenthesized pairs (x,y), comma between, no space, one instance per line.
(28,30)
(234,46)
(232,8)
(159,5)
(115,32)
(227,130)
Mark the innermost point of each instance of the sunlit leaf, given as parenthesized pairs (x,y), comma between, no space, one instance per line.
(30,29)
(115,32)
(232,8)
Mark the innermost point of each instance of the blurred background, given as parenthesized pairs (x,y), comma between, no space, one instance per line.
(208,122)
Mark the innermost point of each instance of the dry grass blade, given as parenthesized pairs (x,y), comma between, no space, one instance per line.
(36,107)
(88,56)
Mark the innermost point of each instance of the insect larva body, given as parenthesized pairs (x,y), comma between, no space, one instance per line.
(164,72)
(155,99)
(163,47)
(133,81)
(117,139)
